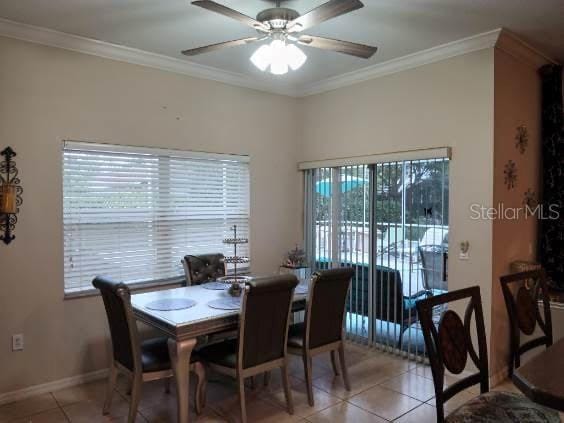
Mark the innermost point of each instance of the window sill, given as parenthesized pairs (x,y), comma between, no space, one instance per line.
(135,288)
(139,287)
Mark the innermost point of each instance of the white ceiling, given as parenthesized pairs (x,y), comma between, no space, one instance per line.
(397,27)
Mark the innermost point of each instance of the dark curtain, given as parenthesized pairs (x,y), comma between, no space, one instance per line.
(551,238)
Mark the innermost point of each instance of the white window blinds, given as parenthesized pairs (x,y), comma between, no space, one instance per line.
(133,213)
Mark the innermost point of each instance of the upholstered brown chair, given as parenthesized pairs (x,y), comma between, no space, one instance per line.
(323,329)
(448,348)
(263,333)
(203,268)
(141,361)
(522,293)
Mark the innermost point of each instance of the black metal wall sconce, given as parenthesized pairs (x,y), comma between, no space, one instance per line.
(10,195)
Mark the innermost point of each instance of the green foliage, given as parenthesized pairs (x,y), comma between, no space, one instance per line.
(426,187)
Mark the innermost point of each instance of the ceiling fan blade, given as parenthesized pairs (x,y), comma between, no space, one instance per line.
(346,47)
(326,11)
(230,13)
(213,47)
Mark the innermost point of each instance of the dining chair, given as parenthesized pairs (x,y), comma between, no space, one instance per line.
(141,361)
(263,333)
(323,328)
(432,259)
(522,293)
(448,347)
(203,268)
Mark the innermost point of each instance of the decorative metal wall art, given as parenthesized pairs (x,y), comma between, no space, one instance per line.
(530,199)
(522,139)
(510,173)
(10,195)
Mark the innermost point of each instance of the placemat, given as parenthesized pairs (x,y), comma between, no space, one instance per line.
(227,303)
(216,285)
(169,304)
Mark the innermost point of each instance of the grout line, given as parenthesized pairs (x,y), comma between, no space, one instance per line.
(60,407)
(395,392)
(407,412)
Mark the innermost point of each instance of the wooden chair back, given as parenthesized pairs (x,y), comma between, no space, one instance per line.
(450,344)
(522,293)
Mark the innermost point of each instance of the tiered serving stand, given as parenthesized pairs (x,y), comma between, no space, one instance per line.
(237,282)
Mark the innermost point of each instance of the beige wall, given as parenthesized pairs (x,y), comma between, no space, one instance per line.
(449,103)
(47,95)
(517,102)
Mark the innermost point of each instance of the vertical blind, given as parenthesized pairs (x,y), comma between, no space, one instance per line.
(133,213)
(389,222)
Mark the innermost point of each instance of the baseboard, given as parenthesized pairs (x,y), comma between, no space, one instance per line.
(499,376)
(44,388)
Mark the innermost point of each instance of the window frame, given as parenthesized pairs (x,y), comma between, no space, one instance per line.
(156,152)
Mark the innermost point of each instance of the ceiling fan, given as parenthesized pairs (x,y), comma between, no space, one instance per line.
(283,27)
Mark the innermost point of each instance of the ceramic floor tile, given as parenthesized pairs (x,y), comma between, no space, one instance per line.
(27,407)
(321,366)
(384,402)
(220,388)
(154,393)
(423,370)
(363,375)
(410,384)
(94,391)
(167,412)
(257,411)
(52,416)
(344,412)
(403,382)
(302,408)
(425,413)
(91,411)
(275,384)
(455,402)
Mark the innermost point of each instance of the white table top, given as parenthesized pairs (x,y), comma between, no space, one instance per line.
(198,320)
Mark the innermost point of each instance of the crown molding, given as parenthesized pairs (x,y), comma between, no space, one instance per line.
(499,38)
(519,49)
(52,38)
(434,54)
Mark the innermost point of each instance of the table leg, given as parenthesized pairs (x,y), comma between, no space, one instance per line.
(180,352)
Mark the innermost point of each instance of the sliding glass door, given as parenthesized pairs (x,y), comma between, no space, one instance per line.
(390,222)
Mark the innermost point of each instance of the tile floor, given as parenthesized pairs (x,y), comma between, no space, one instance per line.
(384,388)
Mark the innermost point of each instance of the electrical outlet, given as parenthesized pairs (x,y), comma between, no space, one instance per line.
(18,342)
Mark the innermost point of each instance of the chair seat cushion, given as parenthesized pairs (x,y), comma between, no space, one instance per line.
(502,407)
(222,353)
(155,357)
(296,335)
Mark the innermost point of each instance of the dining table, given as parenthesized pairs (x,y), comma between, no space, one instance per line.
(185,314)
(541,378)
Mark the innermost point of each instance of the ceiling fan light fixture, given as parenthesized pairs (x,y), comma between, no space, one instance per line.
(278,67)
(279,56)
(262,57)
(295,56)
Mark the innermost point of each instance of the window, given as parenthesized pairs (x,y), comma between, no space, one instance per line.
(133,213)
(389,221)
